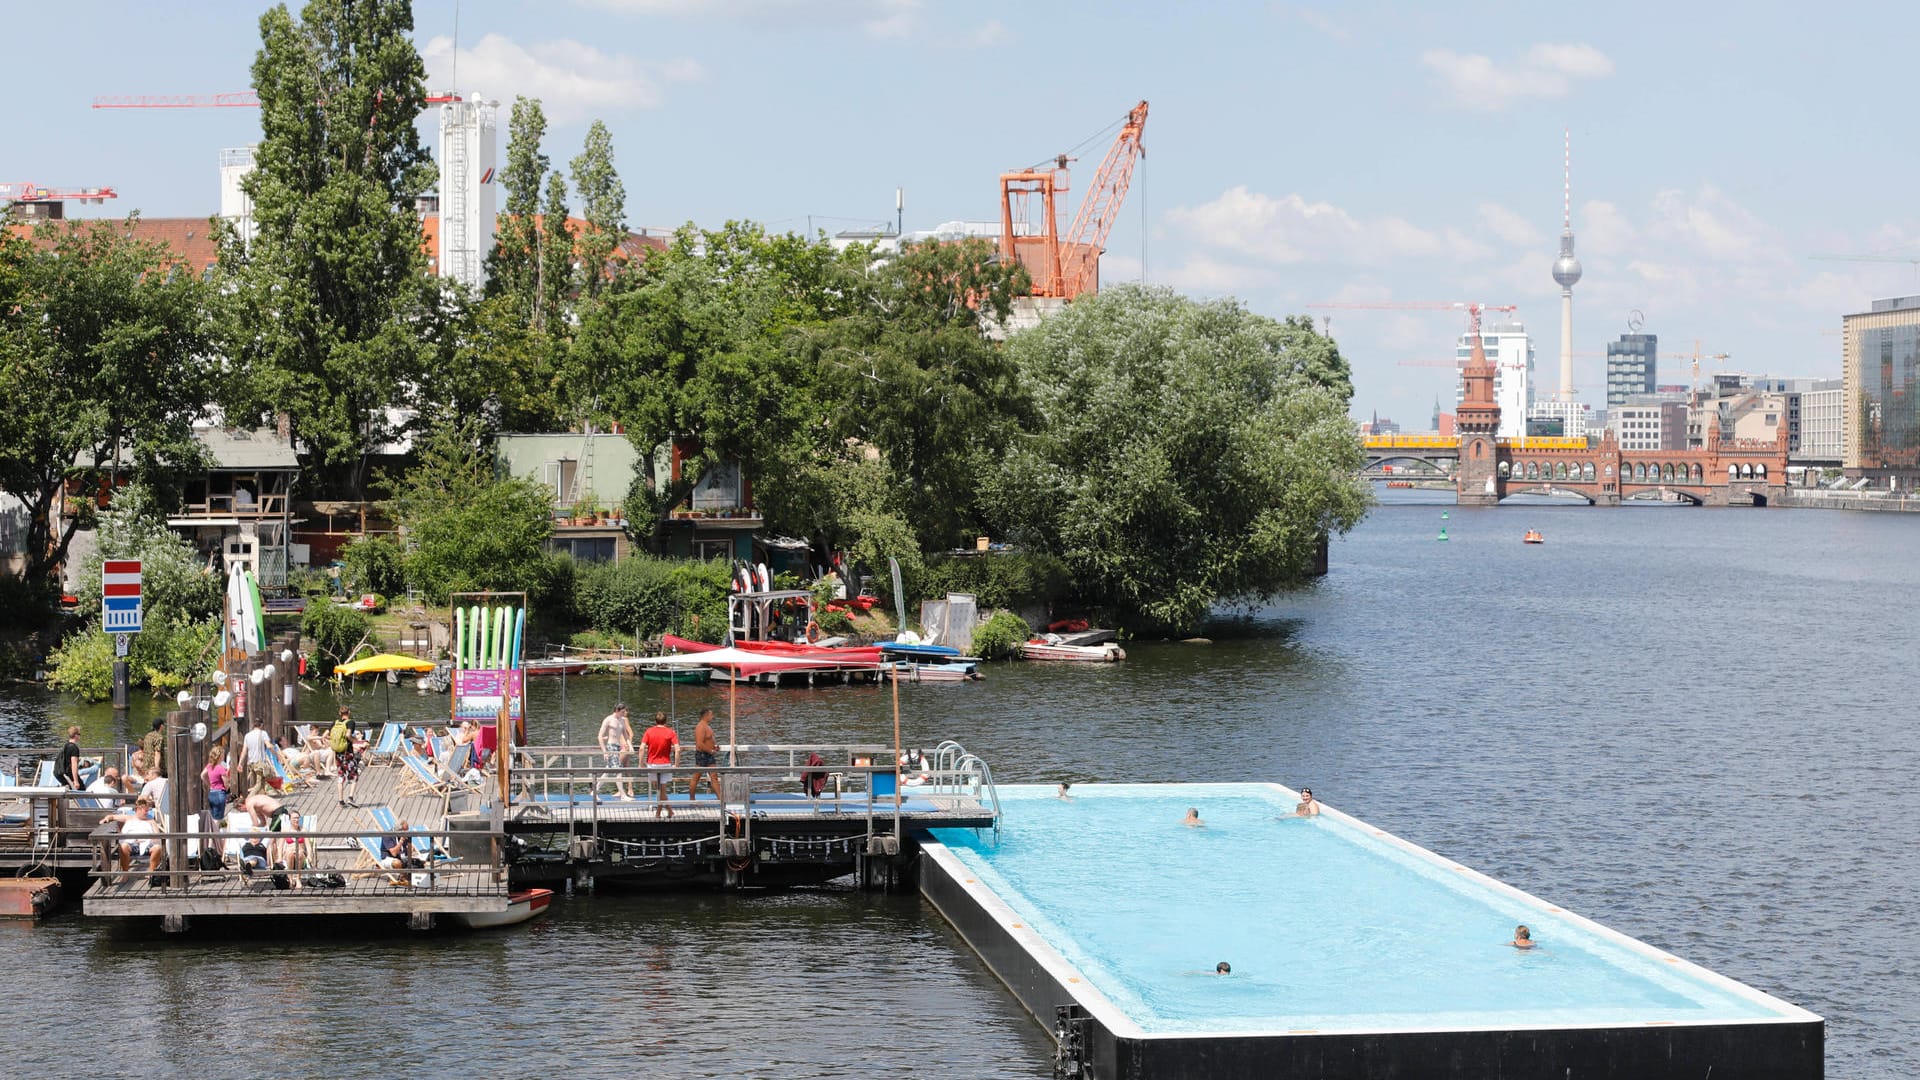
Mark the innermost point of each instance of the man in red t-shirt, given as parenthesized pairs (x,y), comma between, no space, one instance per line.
(662,747)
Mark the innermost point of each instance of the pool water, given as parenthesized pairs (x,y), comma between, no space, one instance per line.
(1328,925)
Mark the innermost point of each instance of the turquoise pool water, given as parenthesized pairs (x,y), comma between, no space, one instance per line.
(1328,926)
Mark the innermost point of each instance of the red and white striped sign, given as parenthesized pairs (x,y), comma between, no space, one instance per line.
(120,596)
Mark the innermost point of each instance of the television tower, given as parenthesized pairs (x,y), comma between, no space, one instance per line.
(1566,271)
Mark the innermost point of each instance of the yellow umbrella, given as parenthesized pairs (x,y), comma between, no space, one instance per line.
(385,661)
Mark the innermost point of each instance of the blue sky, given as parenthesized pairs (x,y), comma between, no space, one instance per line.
(1295,153)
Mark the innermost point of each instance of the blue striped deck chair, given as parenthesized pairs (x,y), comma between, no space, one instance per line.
(288,778)
(420,778)
(392,740)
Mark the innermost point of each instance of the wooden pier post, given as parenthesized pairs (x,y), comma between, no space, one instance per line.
(179,792)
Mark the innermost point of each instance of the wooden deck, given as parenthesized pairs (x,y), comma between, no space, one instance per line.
(464,885)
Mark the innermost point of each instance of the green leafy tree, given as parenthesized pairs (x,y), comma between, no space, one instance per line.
(466,528)
(104,363)
(513,267)
(556,258)
(603,202)
(916,377)
(1184,454)
(323,321)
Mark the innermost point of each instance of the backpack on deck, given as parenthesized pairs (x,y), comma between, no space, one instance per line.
(341,739)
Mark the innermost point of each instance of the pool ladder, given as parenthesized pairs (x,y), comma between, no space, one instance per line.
(957,770)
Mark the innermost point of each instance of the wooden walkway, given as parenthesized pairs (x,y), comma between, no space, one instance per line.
(468,884)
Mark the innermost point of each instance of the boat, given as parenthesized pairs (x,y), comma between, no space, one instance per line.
(917,650)
(1533,537)
(522,905)
(1051,647)
(684,676)
(948,671)
(559,666)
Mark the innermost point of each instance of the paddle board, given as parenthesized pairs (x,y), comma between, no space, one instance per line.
(499,638)
(231,625)
(459,634)
(519,635)
(486,624)
(259,610)
(766,579)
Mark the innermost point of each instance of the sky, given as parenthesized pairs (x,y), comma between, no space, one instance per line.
(1296,154)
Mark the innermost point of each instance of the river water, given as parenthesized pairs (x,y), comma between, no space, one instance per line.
(1695,726)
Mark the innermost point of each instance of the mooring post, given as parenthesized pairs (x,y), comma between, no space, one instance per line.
(420,920)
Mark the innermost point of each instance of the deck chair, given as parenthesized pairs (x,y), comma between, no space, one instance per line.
(289,779)
(419,778)
(392,741)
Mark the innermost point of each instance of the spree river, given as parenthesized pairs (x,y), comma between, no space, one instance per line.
(1696,726)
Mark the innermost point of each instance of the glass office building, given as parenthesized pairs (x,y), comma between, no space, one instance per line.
(1880,367)
(1632,367)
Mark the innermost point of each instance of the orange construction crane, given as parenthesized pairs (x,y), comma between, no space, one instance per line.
(1068,266)
(36,193)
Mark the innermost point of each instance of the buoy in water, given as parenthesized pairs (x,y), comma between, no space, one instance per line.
(1443,515)
(1443,533)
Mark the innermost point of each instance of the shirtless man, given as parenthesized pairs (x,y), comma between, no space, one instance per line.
(1306,807)
(266,811)
(1522,937)
(616,742)
(706,754)
(1192,820)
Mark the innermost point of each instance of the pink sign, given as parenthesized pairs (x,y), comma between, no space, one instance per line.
(478,694)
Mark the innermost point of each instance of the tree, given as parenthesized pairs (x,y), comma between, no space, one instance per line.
(323,317)
(916,377)
(603,202)
(556,259)
(1185,453)
(104,363)
(465,528)
(513,267)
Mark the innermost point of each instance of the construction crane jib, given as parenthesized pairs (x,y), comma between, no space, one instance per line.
(1067,266)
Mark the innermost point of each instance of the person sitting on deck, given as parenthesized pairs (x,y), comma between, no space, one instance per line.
(136,768)
(107,783)
(136,836)
(319,750)
(290,850)
(396,853)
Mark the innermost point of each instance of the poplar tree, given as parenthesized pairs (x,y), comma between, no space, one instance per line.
(603,202)
(327,294)
(556,257)
(513,267)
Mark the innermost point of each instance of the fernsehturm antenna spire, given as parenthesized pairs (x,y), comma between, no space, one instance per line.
(1566,270)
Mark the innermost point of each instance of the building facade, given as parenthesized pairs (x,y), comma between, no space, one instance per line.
(1633,365)
(1510,351)
(1570,418)
(1823,421)
(1880,371)
(1644,424)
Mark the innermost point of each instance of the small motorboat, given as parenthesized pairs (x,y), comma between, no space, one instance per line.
(1533,537)
(1050,647)
(920,671)
(684,676)
(522,905)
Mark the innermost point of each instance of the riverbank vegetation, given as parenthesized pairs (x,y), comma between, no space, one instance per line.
(1147,455)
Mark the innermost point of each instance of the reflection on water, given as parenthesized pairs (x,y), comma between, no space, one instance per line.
(1692,725)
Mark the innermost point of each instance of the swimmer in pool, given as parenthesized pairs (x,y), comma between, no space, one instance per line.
(1522,937)
(1221,968)
(1306,807)
(1062,793)
(1192,820)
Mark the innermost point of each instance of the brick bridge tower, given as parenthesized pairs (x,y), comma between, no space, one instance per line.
(1478,482)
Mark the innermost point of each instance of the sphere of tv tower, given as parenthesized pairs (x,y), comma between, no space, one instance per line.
(1566,269)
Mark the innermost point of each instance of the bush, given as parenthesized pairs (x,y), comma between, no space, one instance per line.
(83,666)
(336,632)
(883,536)
(834,623)
(373,564)
(594,639)
(310,582)
(999,580)
(648,596)
(1001,637)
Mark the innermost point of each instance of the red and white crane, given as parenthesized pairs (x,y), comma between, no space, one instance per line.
(1066,266)
(40,193)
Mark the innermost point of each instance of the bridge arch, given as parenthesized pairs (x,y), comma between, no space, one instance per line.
(1548,490)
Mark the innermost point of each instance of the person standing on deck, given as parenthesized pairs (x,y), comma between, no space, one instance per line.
(68,769)
(215,774)
(257,748)
(706,754)
(155,746)
(663,749)
(346,776)
(616,742)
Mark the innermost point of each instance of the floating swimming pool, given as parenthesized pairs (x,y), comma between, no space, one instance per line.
(1336,932)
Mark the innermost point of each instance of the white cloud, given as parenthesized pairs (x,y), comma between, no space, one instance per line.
(877,18)
(991,32)
(1509,226)
(1601,229)
(572,80)
(1544,71)
(1290,229)
(1712,224)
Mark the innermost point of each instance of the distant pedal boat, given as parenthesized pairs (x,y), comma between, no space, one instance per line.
(1050,647)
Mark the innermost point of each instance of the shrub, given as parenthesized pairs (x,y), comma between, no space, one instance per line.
(83,666)
(834,623)
(1001,637)
(373,564)
(595,639)
(336,632)
(999,580)
(647,596)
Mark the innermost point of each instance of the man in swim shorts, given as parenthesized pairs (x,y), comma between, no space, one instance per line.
(662,746)
(616,742)
(706,754)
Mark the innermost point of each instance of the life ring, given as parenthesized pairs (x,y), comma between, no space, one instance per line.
(813,632)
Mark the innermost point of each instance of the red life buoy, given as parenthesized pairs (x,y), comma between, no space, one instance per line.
(813,631)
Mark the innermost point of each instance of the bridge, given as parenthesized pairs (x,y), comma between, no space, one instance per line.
(1485,468)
